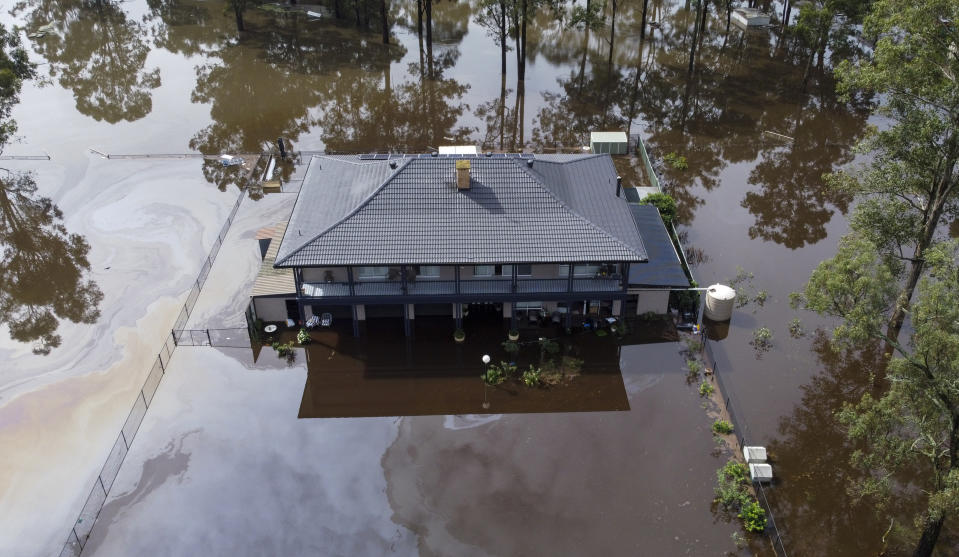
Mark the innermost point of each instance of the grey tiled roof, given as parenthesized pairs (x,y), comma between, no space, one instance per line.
(362,212)
(663,268)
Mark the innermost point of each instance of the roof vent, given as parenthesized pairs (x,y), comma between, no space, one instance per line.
(393,163)
(489,154)
(462,175)
(434,153)
(529,163)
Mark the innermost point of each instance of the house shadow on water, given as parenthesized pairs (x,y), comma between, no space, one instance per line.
(384,373)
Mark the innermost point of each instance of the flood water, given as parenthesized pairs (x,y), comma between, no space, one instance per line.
(175,77)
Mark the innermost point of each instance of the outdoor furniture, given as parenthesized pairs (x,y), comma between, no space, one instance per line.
(312,322)
(326,320)
(270,329)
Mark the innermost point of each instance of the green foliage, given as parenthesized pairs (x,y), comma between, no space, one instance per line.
(303,336)
(694,366)
(676,161)
(15,68)
(601,332)
(459,334)
(532,377)
(762,339)
(284,350)
(511,347)
(705,389)
(795,328)
(694,345)
(732,482)
(722,427)
(666,205)
(494,375)
(753,517)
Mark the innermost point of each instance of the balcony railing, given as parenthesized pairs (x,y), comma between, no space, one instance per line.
(466,287)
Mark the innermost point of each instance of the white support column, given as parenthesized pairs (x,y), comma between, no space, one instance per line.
(360,312)
(618,308)
(410,311)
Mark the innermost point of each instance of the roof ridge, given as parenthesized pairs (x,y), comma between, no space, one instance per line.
(602,231)
(355,210)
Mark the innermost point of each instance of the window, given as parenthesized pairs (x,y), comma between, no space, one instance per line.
(505,270)
(428,271)
(524,270)
(579,270)
(372,273)
(483,270)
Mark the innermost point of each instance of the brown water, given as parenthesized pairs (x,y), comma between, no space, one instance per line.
(175,77)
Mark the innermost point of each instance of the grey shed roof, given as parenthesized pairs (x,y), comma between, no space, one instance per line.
(352,211)
(663,268)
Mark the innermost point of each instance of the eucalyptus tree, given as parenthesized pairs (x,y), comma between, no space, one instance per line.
(910,432)
(909,185)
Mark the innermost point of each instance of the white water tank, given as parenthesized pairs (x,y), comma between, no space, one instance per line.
(719,302)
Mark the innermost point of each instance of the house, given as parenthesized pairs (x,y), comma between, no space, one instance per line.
(531,238)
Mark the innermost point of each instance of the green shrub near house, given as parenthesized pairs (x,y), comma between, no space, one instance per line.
(666,205)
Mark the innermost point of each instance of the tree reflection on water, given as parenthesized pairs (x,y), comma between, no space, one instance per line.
(98,53)
(42,273)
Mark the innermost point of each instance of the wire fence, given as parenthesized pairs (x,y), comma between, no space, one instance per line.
(743,434)
(82,528)
(225,338)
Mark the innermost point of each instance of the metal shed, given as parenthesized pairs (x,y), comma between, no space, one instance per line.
(613,143)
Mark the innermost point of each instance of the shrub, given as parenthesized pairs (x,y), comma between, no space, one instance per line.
(753,516)
(705,389)
(601,332)
(303,337)
(676,161)
(510,347)
(795,328)
(532,377)
(694,366)
(694,345)
(762,339)
(284,350)
(666,205)
(722,427)
(494,375)
(731,490)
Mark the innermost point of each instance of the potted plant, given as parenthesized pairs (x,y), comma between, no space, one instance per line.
(513,334)
(459,335)
(328,276)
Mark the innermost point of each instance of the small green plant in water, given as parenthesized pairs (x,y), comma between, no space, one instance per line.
(284,350)
(676,161)
(762,340)
(722,427)
(795,328)
(753,517)
(494,375)
(303,337)
(601,332)
(694,366)
(532,377)
(705,389)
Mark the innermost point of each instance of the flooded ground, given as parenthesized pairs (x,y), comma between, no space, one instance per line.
(756,123)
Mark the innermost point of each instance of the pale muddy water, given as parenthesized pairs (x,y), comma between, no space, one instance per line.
(175,77)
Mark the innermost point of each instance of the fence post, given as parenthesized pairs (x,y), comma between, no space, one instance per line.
(173,333)
(208,339)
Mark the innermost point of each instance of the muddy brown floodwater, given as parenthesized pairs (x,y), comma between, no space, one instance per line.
(174,77)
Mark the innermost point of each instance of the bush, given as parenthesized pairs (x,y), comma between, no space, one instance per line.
(601,332)
(762,339)
(532,377)
(510,347)
(676,161)
(284,350)
(666,205)
(753,516)
(722,427)
(795,328)
(494,375)
(303,337)
(705,389)
(731,490)
(694,366)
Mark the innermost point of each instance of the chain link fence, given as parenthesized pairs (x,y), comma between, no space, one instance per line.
(743,434)
(82,528)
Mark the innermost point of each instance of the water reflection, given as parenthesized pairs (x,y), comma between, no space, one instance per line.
(383,373)
(42,273)
(812,455)
(97,52)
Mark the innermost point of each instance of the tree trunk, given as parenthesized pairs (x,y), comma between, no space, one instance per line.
(612,39)
(502,110)
(239,18)
(502,44)
(937,205)
(336,9)
(386,22)
(927,542)
(642,26)
(419,19)
(696,31)
(521,71)
(429,36)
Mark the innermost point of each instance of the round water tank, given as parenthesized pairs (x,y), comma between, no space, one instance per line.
(719,302)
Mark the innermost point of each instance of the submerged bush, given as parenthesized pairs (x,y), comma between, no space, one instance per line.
(532,377)
(676,161)
(303,337)
(722,427)
(705,389)
(753,517)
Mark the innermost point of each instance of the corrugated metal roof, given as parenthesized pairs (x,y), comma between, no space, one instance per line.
(663,269)
(511,213)
(270,280)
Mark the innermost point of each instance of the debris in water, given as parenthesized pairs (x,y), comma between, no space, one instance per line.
(42,31)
